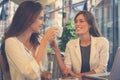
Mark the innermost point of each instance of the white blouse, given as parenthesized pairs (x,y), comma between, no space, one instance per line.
(22,64)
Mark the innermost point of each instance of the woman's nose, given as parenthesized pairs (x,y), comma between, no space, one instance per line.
(43,23)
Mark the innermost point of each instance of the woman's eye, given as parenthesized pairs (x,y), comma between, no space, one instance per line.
(41,18)
(81,21)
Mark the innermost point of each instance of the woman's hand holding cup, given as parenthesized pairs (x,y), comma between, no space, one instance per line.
(51,33)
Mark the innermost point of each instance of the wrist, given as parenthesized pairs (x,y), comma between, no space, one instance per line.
(44,39)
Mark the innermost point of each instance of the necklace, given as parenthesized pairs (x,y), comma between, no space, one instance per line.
(29,50)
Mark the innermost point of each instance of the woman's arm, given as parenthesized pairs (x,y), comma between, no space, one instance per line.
(58,55)
(104,56)
(85,73)
(65,71)
(6,74)
(50,34)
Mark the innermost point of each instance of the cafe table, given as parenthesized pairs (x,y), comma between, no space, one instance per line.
(75,78)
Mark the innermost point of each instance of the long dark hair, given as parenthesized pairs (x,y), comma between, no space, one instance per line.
(24,16)
(91,21)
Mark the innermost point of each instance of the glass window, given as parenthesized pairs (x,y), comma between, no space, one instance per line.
(106,15)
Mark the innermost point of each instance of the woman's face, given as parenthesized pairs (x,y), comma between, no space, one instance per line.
(38,23)
(81,25)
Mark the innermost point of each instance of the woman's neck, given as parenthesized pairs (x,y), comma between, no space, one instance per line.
(24,37)
(85,40)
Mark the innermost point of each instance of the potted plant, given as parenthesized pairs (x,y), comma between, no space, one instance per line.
(68,34)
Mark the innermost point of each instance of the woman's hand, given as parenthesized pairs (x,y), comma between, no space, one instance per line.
(53,43)
(50,33)
(68,73)
(79,74)
(46,75)
(65,71)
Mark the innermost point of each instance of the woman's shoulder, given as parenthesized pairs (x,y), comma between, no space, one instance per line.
(11,39)
(101,39)
(73,41)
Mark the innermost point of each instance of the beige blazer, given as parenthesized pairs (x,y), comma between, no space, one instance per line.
(99,55)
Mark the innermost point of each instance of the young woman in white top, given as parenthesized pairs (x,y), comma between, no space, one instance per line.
(89,53)
(22,44)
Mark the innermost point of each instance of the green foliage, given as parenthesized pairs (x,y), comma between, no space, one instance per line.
(68,34)
(49,50)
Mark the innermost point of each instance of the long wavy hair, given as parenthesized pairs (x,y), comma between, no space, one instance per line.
(91,21)
(24,16)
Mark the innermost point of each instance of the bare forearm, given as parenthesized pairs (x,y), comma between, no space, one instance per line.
(58,57)
(42,50)
(60,60)
(49,35)
(90,72)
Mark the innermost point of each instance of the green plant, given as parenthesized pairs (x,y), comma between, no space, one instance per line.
(68,34)
(49,50)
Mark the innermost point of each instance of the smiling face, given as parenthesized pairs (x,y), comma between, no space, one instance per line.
(38,24)
(81,25)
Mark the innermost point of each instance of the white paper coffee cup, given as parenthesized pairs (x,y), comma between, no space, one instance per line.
(59,31)
(55,24)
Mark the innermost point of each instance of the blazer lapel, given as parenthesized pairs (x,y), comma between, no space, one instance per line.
(77,49)
(93,49)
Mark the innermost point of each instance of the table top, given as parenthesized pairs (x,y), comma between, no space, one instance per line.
(74,78)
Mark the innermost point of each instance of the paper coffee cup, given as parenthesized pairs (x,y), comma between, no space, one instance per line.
(55,24)
(59,31)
